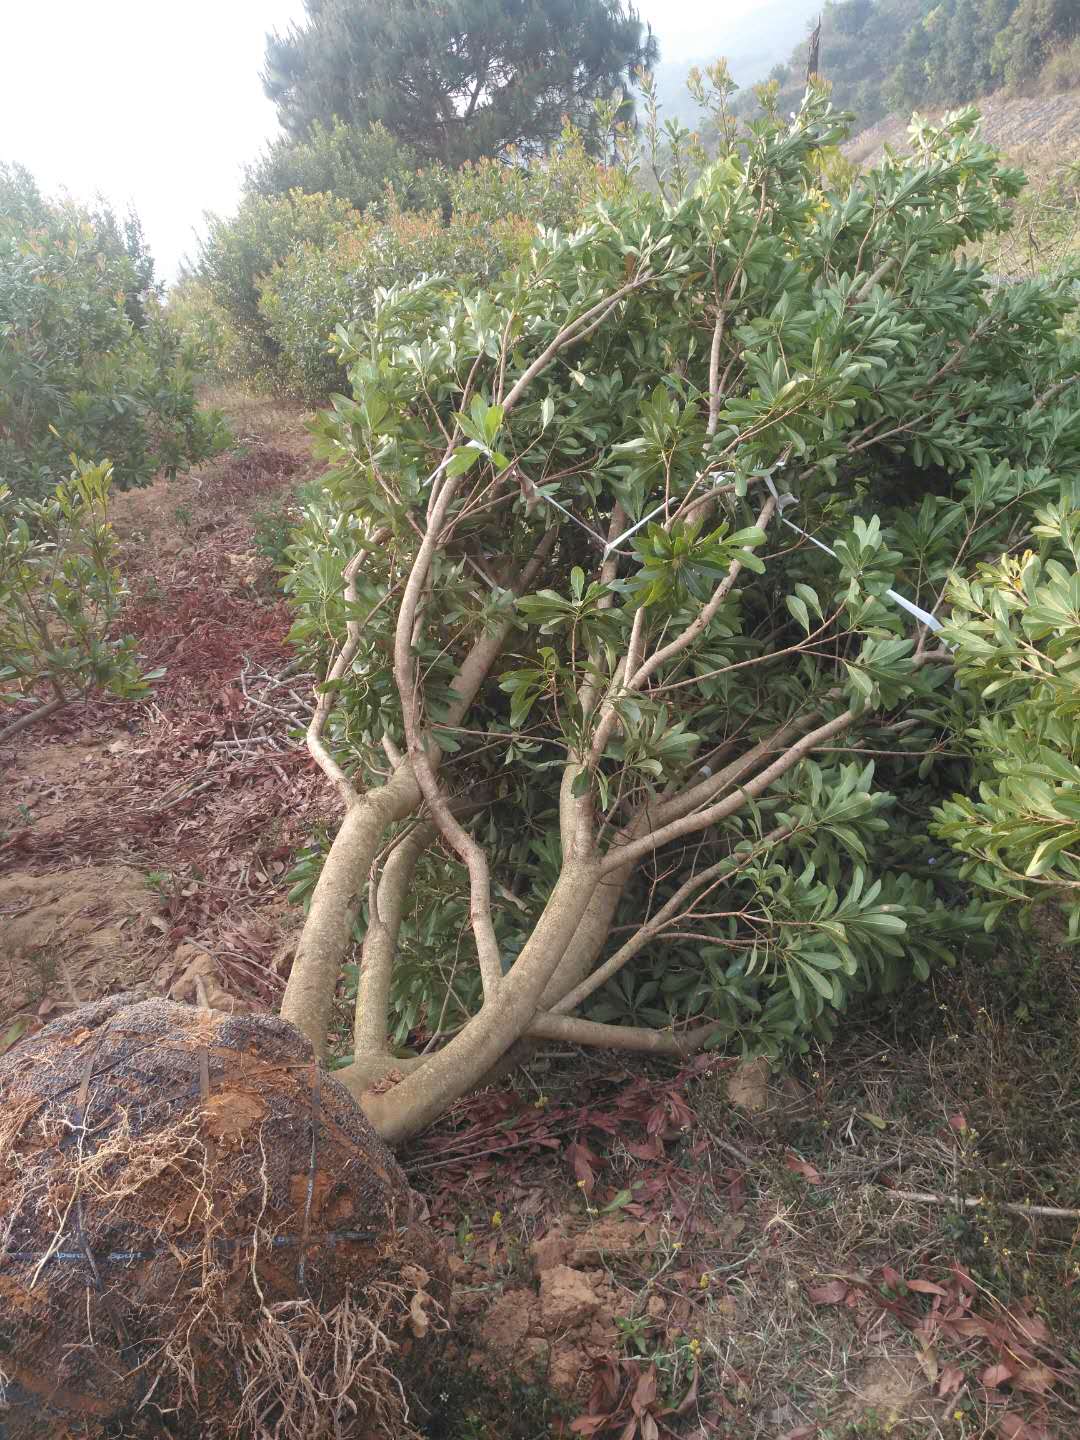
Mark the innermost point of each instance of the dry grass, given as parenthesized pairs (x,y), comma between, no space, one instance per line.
(786,1286)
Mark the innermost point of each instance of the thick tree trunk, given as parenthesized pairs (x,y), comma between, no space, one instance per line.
(327,933)
(424,1094)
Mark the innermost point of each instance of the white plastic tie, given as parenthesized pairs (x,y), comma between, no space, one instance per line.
(923,616)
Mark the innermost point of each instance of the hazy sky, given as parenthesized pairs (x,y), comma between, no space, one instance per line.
(160,103)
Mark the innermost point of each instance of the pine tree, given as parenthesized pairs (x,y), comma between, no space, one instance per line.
(456,80)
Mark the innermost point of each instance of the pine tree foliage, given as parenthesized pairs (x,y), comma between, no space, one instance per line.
(458,80)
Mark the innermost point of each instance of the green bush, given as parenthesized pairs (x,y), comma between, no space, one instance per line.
(1016,629)
(237,256)
(496,207)
(715,701)
(88,361)
(206,330)
(60,596)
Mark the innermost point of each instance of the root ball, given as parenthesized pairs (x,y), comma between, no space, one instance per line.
(201,1235)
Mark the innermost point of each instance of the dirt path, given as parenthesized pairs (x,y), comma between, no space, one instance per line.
(136,841)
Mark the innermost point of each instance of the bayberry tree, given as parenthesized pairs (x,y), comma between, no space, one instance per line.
(626,581)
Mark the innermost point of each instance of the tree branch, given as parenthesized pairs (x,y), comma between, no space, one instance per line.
(371,1021)
(39,712)
(658,923)
(451,1072)
(690,824)
(467,849)
(570,333)
(620,1037)
(325,703)
(335,903)
(700,623)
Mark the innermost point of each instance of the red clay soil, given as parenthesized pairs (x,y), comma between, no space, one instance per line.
(134,837)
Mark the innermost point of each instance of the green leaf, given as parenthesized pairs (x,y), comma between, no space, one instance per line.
(462,460)
(14,1032)
(797,606)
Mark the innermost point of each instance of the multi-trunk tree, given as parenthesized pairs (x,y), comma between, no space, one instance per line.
(626,583)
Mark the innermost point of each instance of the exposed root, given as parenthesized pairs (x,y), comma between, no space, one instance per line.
(228,1256)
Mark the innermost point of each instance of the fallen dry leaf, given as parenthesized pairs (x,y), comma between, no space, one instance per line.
(926,1287)
(995,1375)
(1014,1427)
(1036,1379)
(928,1362)
(833,1292)
(418,1320)
(950,1382)
(1034,1329)
(810,1173)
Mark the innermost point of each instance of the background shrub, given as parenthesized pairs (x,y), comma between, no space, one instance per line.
(89,364)
(60,595)
(358,165)
(239,253)
(277,280)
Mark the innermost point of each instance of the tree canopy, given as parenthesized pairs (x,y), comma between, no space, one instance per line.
(458,80)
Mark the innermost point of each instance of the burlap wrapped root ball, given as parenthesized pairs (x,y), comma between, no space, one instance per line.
(201,1235)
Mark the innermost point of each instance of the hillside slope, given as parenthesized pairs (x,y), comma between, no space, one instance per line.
(1017,124)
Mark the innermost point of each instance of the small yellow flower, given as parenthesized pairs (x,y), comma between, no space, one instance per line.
(468,1237)
(703,1283)
(581,1184)
(678,1244)
(957,1414)
(496,1220)
(695,1347)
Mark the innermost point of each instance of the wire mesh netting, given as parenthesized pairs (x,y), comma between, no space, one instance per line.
(200,1234)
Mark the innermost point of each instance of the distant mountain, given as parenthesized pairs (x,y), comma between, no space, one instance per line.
(901,55)
(751,46)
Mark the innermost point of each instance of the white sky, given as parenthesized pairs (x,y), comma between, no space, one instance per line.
(160,103)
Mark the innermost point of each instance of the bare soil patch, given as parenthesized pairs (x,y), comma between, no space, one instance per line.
(1012,122)
(128,832)
(73,935)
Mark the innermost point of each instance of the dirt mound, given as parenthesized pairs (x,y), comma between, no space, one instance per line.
(79,933)
(547,1332)
(197,1223)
